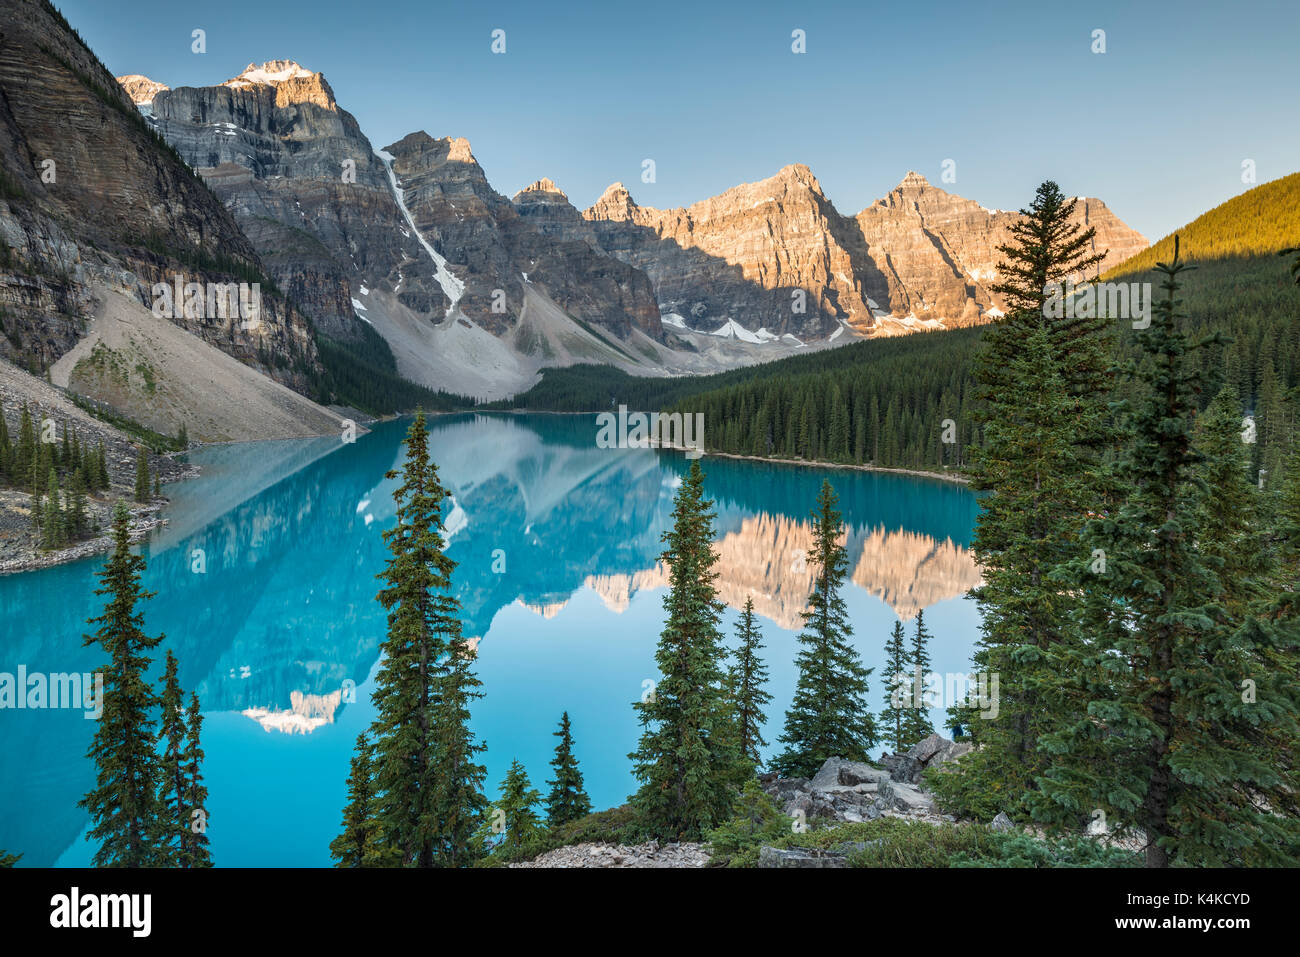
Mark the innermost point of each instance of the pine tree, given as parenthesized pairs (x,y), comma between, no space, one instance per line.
(357,845)
(459,803)
(567,801)
(829,716)
(6,450)
(428,789)
(123,803)
(196,794)
(142,475)
(75,510)
(917,725)
(747,678)
(515,812)
(173,821)
(897,690)
(25,451)
(687,761)
(1192,705)
(1043,378)
(54,532)
(104,481)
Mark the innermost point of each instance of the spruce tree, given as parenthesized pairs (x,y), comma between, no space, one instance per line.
(898,690)
(196,794)
(54,531)
(142,475)
(123,802)
(6,450)
(173,820)
(25,451)
(515,810)
(459,803)
(917,724)
(567,800)
(428,789)
(688,760)
(829,716)
(1192,706)
(747,680)
(357,845)
(1046,429)
(76,519)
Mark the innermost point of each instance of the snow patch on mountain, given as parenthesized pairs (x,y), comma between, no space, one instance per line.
(452,287)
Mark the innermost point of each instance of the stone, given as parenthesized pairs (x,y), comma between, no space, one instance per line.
(1002,822)
(800,857)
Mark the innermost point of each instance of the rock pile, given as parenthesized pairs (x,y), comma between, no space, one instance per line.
(650,854)
(928,753)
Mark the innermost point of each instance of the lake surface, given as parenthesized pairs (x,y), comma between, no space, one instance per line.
(266,583)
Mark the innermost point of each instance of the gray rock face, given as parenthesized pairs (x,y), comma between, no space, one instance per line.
(492,246)
(1002,822)
(934,751)
(846,791)
(302,180)
(800,857)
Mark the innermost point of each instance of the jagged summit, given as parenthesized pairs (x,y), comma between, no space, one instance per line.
(543,185)
(913,180)
(140,88)
(271,72)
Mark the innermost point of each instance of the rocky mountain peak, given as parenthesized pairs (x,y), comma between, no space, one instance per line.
(293,83)
(615,203)
(913,180)
(544,185)
(140,88)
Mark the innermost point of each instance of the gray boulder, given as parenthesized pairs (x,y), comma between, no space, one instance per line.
(800,857)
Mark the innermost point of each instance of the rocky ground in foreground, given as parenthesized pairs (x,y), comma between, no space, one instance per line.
(651,854)
(841,792)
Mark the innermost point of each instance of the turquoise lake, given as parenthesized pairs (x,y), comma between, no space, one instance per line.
(266,582)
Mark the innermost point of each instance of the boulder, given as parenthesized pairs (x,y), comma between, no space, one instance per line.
(1002,822)
(800,857)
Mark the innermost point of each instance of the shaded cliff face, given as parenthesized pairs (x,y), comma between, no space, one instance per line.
(302,180)
(91,196)
(492,247)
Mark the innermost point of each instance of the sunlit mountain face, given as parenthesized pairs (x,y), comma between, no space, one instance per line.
(265,582)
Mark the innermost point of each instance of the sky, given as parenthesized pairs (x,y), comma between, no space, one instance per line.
(1158,126)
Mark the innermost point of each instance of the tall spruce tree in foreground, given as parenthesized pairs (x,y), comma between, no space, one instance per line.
(428,790)
(517,810)
(196,853)
(1044,380)
(898,690)
(1191,712)
(123,804)
(567,800)
(459,801)
(357,845)
(917,725)
(173,816)
(830,716)
(688,761)
(747,679)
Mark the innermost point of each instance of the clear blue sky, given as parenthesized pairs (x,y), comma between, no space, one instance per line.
(1158,126)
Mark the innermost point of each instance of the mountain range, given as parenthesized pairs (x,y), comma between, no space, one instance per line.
(475,292)
(403,259)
